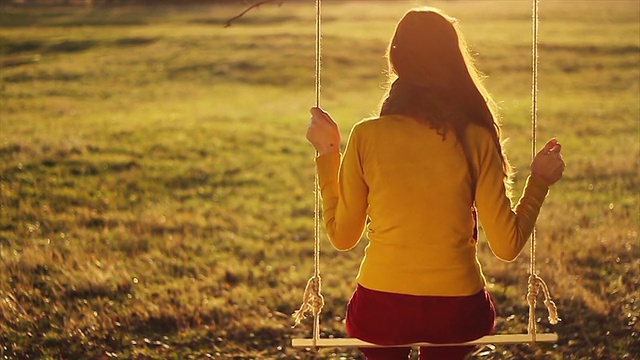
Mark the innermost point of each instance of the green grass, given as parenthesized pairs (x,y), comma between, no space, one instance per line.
(156,189)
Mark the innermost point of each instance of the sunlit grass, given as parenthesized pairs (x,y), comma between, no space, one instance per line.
(157,191)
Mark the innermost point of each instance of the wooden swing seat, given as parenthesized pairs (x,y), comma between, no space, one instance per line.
(486,340)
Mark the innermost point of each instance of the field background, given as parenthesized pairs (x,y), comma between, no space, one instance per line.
(156,189)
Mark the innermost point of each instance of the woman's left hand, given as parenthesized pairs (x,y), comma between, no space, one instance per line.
(323,133)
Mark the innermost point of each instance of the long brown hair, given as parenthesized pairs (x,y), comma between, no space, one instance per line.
(432,78)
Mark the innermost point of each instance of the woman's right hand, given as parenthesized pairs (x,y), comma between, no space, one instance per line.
(548,163)
(323,132)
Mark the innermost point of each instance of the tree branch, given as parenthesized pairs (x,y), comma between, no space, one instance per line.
(253,6)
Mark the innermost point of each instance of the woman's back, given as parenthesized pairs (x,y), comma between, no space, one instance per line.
(419,207)
(416,189)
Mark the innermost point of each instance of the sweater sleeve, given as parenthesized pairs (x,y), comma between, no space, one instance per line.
(344,195)
(506,229)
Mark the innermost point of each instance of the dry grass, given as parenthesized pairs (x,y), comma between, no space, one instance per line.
(156,189)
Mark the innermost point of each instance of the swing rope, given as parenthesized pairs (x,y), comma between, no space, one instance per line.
(313,301)
(536,282)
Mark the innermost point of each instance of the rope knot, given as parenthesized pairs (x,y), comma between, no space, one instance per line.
(535,284)
(533,289)
(312,301)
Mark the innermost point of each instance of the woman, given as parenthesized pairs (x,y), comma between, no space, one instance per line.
(417,173)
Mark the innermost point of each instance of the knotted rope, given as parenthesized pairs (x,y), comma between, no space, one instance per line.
(313,301)
(535,281)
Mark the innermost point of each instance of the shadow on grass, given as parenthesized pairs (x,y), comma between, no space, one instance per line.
(583,334)
(250,20)
(72,46)
(20,53)
(8,47)
(236,329)
(135,41)
(70,17)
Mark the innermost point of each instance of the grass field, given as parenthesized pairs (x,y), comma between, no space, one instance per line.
(156,189)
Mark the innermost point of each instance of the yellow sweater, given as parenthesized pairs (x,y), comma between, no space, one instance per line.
(415,190)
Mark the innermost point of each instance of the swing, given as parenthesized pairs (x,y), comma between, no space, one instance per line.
(313,300)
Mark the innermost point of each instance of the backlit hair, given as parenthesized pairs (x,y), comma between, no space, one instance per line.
(432,78)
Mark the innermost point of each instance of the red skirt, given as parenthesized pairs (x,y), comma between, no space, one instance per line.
(392,319)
